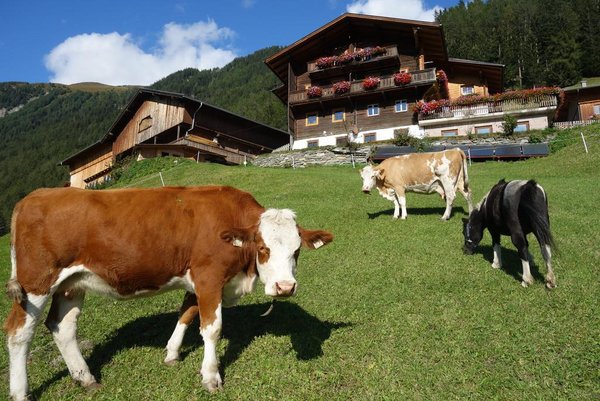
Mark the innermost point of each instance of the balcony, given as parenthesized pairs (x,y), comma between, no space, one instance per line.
(389,58)
(420,77)
(488,109)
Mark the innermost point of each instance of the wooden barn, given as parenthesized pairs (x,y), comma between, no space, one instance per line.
(157,123)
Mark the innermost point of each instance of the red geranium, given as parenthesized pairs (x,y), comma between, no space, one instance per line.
(341,87)
(371,82)
(402,78)
(314,91)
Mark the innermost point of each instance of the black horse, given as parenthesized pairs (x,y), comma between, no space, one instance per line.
(514,208)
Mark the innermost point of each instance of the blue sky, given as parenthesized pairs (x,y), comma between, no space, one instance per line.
(137,42)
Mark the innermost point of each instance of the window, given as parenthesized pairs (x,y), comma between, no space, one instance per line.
(371,137)
(450,132)
(401,106)
(467,90)
(338,116)
(522,126)
(312,119)
(312,144)
(486,129)
(373,110)
(597,109)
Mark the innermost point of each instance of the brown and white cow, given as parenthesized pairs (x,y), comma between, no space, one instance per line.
(443,172)
(210,241)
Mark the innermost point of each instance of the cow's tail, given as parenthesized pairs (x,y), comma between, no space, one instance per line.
(535,204)
(14,291)
(465,171)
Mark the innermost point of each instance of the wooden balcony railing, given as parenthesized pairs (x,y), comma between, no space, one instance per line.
(420,77)
(484,108)
(391,51)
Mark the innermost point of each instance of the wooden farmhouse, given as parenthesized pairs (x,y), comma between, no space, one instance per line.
(582,101)
(360,76)
(157,123)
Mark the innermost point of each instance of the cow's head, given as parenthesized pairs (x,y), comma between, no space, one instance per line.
(472,232)
(276,243)
(369,176)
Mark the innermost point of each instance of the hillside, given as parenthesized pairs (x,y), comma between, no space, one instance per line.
(54,121)
(390,310)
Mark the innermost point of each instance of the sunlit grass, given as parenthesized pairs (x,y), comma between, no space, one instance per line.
(391,310)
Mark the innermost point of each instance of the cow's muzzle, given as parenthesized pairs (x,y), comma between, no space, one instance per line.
(468,248)
(285,288)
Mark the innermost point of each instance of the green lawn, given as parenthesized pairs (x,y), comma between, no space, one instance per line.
(391,310)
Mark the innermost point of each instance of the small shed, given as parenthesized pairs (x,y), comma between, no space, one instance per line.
(158,123)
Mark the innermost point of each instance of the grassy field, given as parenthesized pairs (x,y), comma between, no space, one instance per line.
(391,310)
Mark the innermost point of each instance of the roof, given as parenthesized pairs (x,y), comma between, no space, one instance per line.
(591,82)
(313,45)
(266,137)
(430,37)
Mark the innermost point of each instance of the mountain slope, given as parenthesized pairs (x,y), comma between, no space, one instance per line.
(54,121)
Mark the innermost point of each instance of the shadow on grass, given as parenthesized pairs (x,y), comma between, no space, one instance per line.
(422,211)
(241,325)
(511,263)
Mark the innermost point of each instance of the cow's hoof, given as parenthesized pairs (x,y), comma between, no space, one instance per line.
(496,266)
(171,362)
(92,387)
(213,384)
(527,280)
(550,285)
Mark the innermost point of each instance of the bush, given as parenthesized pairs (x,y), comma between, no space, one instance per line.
(402,138)
(509,125)
(536,138)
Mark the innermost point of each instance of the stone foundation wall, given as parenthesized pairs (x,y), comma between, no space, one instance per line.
(341,156)
(317,157)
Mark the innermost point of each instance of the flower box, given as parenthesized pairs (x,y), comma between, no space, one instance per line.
(314,91)
(402,78)
(342,87)
(370,82)
(325,62)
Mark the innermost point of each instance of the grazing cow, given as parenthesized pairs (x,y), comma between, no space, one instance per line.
(443,172)
(514,208)
(210,241)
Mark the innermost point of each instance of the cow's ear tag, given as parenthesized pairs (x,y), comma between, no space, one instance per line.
(237,242)
(318,243)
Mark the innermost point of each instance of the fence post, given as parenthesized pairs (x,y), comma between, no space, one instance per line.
(469,153)
(584,143)
(161,178)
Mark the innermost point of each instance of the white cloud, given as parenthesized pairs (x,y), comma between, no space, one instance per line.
(248,3)
(407,9)
(117,59)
